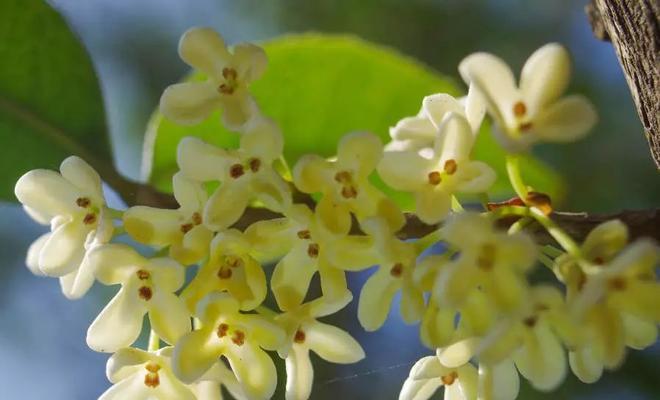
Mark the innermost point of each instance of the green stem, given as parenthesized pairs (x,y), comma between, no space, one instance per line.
(513,170)
(551,251)
(427,241)
(484,199)
(519,225)
(547,261)
(114,214)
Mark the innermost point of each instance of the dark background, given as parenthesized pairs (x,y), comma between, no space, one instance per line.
(133,45)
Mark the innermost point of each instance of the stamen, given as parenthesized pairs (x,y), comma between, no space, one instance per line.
(238,338)
(185,228)
(89,219)
(224,273)
(450,167)
(449,378)
(349,192)
(530,321)
(313,250)
(233,261)
(304,234)
(343,177)
(143,275)
(434,178)
(519,109)
(222,330)
(196,218)
(397,270)
(229,74)
(151,379)
(236,171)
(254,164)
(83,202)
(145,293)
(617,283)
(299,337)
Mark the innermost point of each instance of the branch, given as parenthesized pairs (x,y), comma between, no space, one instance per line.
(633,27)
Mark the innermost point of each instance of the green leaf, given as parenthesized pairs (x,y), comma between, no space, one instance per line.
(50,102)
(319,87)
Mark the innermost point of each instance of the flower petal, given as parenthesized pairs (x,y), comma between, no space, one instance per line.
(190,195)
(263,140)
(311,173)
(291,278)
(506,382)
(414,128)
(119,324)
(250,61)
(567,120)
(359,152)
(542,359)
(154,226)
(404,170)
(81,280)
(437,106)
(476,177)
(333,344)
(455,140)
(299,374)
(32,259)
(226,205)
(63,246)
(376,299)
(495,81)
(254,370)
(169,316)
(204,49)
(201,161)
(47,193)
(195,353)
(189,103)
(428,367)
(544,76)
(114,263)
(419,389)
(586,364)
(432,205)
(83,176)
(640,333)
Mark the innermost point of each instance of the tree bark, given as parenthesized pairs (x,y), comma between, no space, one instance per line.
(633,27)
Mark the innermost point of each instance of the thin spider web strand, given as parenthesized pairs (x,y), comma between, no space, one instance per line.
(362,374)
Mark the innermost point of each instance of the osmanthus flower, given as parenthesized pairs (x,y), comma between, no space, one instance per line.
(532,110)
(613,295)
(229,268)
(147,286)
(140,375)
(245,174)
(532,339)
(306,247)
(488,259)
(305,333)
(72,203)
(396,261)
(225,332)
(428,375)
(434,179)
(344,183)
(181,229)
(419,132)
(228,73)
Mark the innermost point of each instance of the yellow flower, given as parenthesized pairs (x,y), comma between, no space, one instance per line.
(245,174)
(307,247)
(613,295)
(147,286)
(492,260)
(428,375)
(448,170)
(140,375)
(238,337)
(418,133)
(230,268)
(345,184)
(182,229)
(533,110)
(396,260)
(305,333)
(72,203)
(229,75)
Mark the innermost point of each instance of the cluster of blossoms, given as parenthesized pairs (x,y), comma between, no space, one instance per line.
(475,303)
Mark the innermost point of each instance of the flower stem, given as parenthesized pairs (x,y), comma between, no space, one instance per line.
(513,170)
(456,205)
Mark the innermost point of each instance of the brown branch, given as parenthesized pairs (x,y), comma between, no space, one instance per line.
(633,27)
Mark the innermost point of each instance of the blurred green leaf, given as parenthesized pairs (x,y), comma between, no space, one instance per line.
(319,87)
(50,102)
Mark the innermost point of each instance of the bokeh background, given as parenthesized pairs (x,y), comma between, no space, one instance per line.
(133,46)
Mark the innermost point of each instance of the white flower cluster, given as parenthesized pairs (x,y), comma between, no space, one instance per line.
(477,307)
